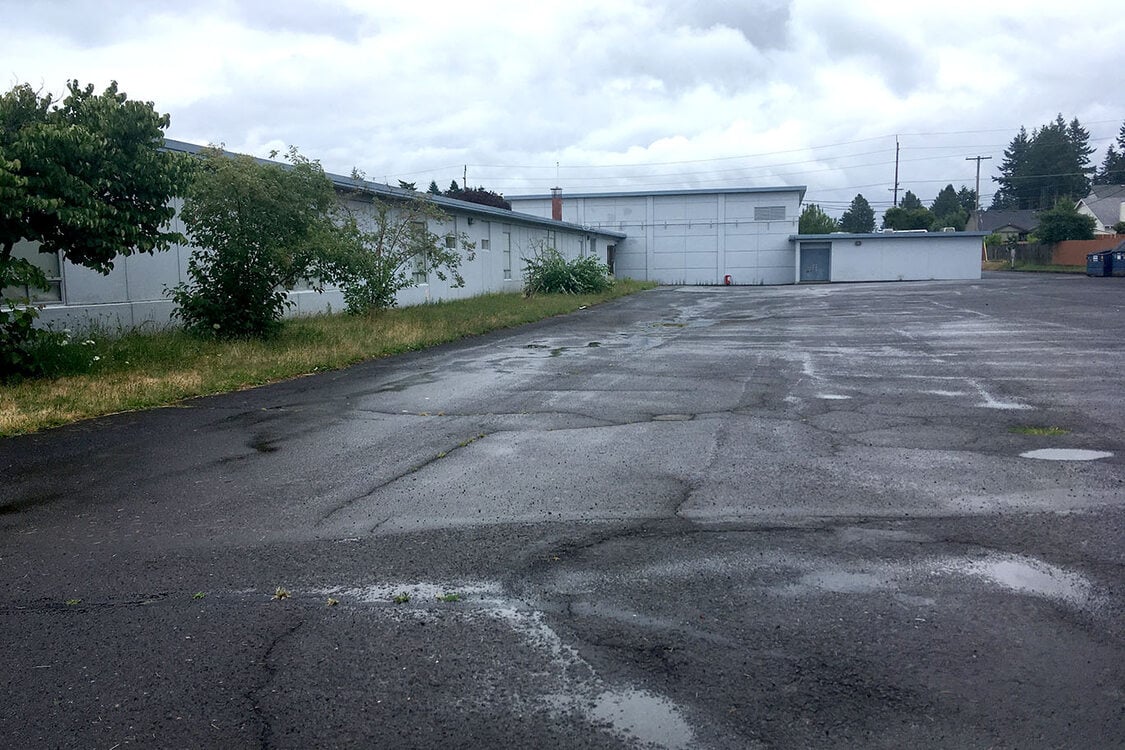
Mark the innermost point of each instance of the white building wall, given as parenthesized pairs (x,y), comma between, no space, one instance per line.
(694,237)
(133,294)
(935,255)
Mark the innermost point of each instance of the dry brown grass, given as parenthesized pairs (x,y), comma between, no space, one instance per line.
(143,371)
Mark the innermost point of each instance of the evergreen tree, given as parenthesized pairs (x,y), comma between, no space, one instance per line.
(453,188)
(407,185)
(947,211)
(433,189)
(815,221)
(967,198)
(859,218)
(910,201)
(1052,163)
(1113,166)
(899,218)
(1012,169)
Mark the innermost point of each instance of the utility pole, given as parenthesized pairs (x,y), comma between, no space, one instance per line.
(465,178)
(896,172)
(978,160)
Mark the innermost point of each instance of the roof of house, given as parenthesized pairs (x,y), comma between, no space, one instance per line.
(380,190)
(685,191)
(1104,201)
(998,218)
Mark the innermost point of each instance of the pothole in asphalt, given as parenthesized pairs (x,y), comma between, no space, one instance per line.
(673,418)
(1029,576)
(643,716)
(1065,454)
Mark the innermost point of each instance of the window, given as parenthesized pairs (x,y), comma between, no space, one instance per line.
(419,231)
(506,246)
(551,238)
(420,267)
(48,263)
(769,213)
(485,244)
(451,241)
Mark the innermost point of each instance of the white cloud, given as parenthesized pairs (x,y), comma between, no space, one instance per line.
(610,91)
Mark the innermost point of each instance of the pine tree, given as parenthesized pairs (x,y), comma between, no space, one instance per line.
(910,201)
(1113,166)
(1054,162)
(1012,170)
(859,218)
(433,189)
(815,221)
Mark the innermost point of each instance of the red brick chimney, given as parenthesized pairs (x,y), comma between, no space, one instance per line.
(556,204)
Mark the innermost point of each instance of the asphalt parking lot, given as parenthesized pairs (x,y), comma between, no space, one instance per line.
(750,517)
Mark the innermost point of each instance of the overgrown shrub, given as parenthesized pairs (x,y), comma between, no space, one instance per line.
(261,229)
(549,272)
(393,242)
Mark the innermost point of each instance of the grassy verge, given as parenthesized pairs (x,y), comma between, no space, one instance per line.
(1046,268)
(138,371)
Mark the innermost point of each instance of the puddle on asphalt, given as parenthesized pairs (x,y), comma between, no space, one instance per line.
(630,714)
(1029,576)
(643,716)
(1065,454)
(832,396)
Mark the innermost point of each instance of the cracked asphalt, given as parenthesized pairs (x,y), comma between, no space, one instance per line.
(769,517)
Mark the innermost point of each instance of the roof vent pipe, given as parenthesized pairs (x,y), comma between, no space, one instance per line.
(556,203)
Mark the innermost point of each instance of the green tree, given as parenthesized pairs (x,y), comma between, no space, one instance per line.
(403,184)
(859,218)
(260,229)
(947,211)
(433,189)
(396,249)
(815,221)
(1112,171)
(453,187)
(900,219)
(86,177)
(967,197)
(910,201)
(1064,222)
(1039,170)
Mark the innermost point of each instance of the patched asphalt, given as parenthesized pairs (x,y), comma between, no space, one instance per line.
(747,517)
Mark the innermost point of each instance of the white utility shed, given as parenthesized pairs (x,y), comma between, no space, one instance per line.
(890,256)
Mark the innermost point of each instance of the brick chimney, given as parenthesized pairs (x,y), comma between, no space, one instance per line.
(556,204)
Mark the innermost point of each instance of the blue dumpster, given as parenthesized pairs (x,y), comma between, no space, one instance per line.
(1117,263)
(1099,263)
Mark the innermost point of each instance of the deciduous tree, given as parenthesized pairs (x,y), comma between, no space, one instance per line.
(86,177)
(1064,222)
(260,230)
(395,247)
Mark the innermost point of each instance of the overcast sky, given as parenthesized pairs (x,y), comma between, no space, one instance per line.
(604,95)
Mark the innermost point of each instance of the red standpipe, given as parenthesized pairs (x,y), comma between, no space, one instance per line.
(727,280)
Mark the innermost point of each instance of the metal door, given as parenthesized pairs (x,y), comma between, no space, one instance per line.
(816,260)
